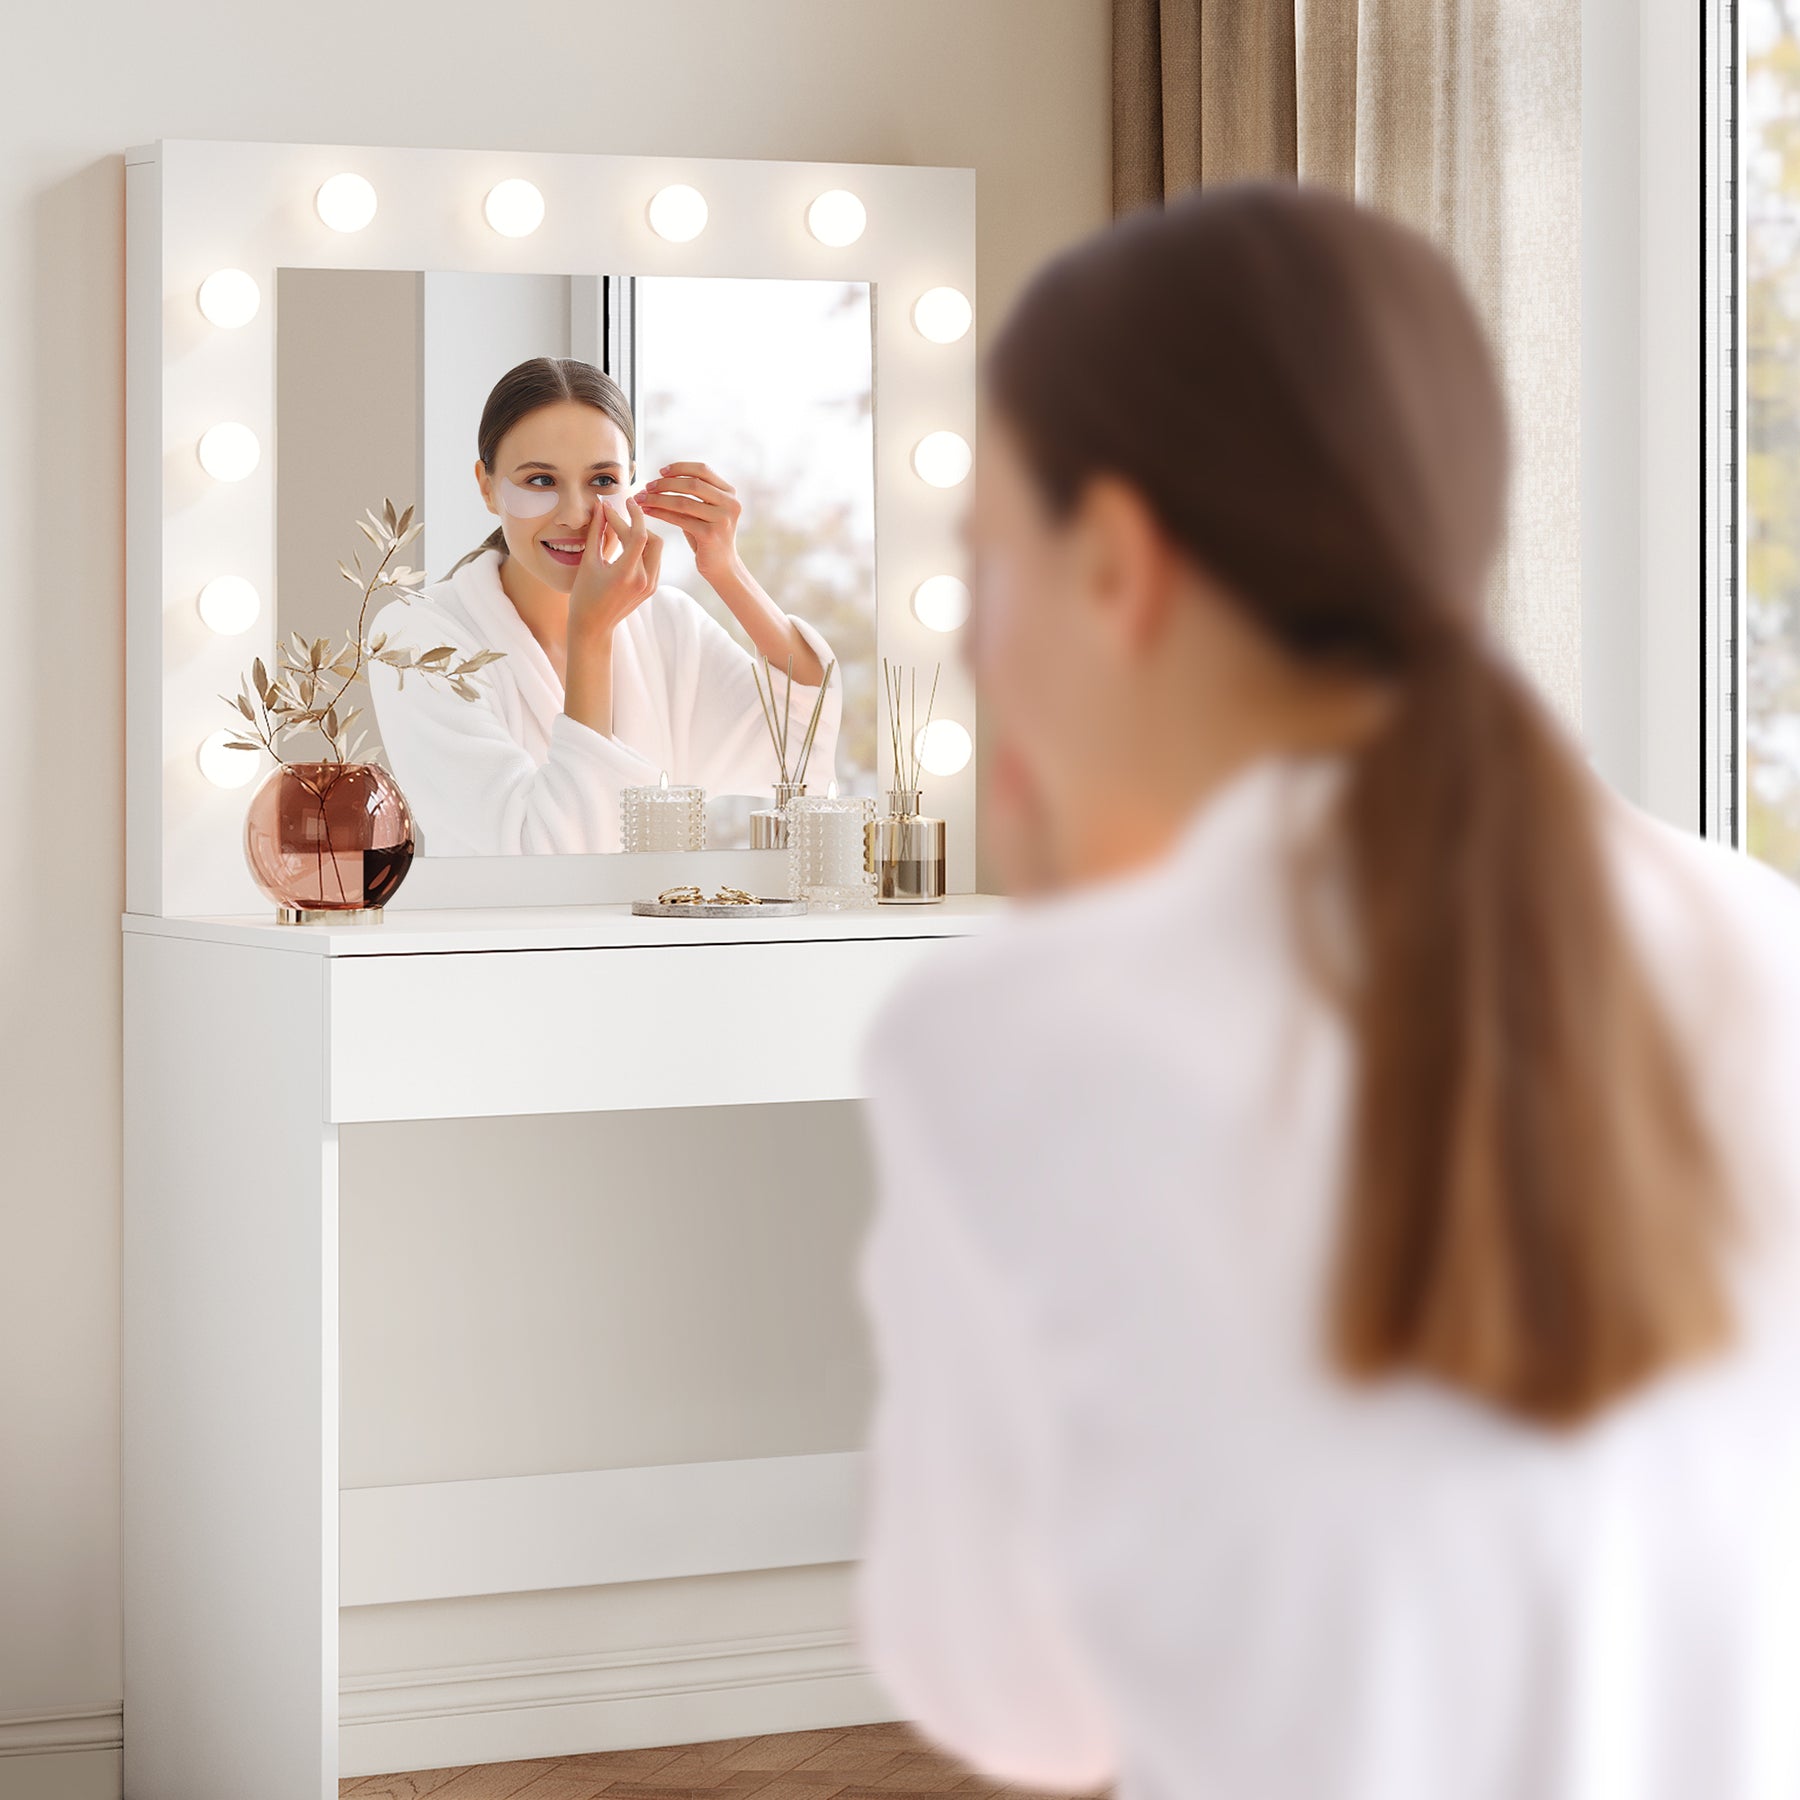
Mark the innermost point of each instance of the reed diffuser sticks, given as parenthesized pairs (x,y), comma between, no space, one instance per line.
(778,732)
(906,751)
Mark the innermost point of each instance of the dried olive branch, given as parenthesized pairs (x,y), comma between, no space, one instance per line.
(275,706)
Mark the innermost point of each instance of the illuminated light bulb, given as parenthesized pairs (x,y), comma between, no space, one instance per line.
(678,213)
(229,604)
(225,767)
(229,452)
(837,218)
(514,208)
(229,298)
(940,603)
(944,747)
(942,314)
(942,459)
(345,202)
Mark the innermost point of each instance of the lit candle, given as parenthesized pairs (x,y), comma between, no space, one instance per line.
(662,817)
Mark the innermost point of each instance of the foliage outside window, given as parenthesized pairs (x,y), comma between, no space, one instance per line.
(1769,154)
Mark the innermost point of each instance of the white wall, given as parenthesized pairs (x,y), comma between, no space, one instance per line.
(1017,89)
(472,329)
(347,399)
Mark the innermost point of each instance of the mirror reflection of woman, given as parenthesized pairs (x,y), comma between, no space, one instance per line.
(610,678)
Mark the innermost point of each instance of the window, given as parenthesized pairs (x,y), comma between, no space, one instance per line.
(1764,76)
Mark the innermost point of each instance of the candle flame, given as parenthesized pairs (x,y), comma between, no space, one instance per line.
(665,778)
(831,792)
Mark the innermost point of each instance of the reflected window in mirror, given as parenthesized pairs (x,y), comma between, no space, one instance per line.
(777,377)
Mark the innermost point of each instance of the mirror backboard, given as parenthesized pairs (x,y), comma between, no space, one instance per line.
(807,367)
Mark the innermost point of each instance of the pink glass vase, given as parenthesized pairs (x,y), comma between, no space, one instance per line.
(327,838)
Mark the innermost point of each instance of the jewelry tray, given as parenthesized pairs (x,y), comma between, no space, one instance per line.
(708,909)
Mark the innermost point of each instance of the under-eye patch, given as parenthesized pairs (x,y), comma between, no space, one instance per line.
(526,503)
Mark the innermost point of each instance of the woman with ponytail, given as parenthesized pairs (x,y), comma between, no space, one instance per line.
(1333,1283)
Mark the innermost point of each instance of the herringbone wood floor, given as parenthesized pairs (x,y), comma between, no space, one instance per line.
(867,1762)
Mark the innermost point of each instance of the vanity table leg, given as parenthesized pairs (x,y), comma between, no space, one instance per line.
(230,1381)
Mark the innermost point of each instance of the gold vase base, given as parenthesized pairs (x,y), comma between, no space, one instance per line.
(328,915)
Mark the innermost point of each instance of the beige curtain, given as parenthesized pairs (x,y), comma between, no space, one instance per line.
(1462,117)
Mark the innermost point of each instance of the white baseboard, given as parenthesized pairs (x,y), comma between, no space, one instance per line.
(68,1755)
(70,1729)
(502,1712)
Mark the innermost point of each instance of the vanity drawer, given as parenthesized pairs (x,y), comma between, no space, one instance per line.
(548,1031)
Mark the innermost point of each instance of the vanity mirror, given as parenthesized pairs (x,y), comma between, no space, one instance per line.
(313,329)
(589,387)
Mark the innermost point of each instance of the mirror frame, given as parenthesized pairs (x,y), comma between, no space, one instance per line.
(194,207)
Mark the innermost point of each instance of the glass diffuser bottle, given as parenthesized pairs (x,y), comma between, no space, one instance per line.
(905,852)
(770,828)
(903,849)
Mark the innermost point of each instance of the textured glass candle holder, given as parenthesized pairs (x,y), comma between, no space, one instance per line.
(328,840)
(769,827)
(662,818)
(906,853)
(827,863)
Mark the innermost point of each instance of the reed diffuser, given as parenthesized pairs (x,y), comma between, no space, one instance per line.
(769,827)
(904,849)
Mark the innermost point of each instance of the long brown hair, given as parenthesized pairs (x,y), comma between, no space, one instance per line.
(542,381)
(1301,391)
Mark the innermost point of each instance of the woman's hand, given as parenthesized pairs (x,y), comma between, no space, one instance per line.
(706,508)
(606,593)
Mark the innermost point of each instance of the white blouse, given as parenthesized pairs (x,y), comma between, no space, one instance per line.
(1125,1523)
(512,772)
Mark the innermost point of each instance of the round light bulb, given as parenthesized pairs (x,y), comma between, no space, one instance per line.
(514,208)
(229,604)
(942,314)
(225,767)
(678,213)
(346,202)
(941,603)
(837,218)
(944,747)
(229,298)
(229,452)
(941,458)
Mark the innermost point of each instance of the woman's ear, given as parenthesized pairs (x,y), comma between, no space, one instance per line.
(486,486)
(1129,568)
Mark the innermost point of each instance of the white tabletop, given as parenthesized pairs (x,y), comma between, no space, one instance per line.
(428,931)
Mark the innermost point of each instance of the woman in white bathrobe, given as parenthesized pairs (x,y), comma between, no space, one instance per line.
(1334,1279)
(609,679)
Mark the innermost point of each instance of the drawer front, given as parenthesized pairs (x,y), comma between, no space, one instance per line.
(549,1031)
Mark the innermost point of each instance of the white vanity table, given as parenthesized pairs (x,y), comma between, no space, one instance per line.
(239,1547)
(492,988)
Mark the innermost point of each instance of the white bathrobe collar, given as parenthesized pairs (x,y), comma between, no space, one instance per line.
(500,626)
